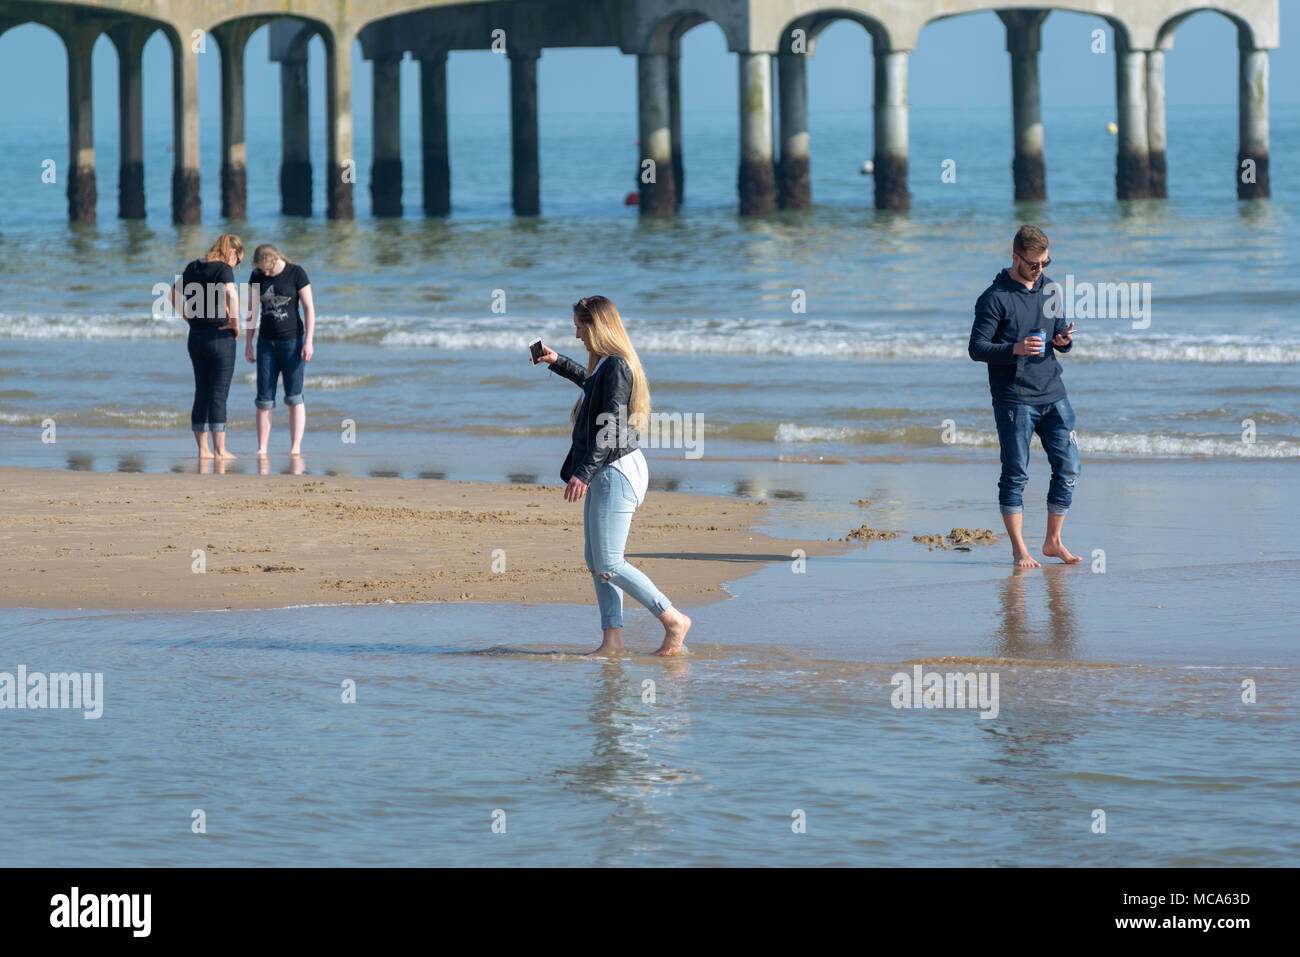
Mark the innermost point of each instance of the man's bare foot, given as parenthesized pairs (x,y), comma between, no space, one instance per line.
(675,630)
(260,453)
(205,454)
(295,451)
(1057,550)
(1024,560)
(229,455)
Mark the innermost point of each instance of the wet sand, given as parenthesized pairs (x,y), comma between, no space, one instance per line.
(188,541)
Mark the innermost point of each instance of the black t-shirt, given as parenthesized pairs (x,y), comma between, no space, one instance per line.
(203,284)
(279,297)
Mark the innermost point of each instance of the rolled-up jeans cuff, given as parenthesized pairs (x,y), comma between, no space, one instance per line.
(217,427)
(1011,509)
(1057,509)
(293,399)
(264,403)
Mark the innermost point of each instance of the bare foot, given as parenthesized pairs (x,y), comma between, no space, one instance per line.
(1057,550)
(205,454)
(260,453)
(675,636)
(229,455)
(611,642)
(1024,560)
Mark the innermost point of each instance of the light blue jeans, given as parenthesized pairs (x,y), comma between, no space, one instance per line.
(606,518)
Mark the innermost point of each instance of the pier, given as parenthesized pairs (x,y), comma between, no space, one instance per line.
(771,40)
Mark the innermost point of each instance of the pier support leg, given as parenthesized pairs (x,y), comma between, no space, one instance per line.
(129,38)
(1252,124)
(890,155)
(386,119)
(82,193)
(295,138)
(185,132)
(1156,123)
(1028,170)
(232,39)
(436,164)
(1133,160)
(342,172)
(794,174)
(658,194)
(675,117)
(756,181)
(525,165)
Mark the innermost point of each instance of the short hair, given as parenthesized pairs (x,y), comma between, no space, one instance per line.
(265,255)
(1029,239)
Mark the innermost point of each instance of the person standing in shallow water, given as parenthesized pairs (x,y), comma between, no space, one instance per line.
(207,299)
(607,468)
(284,341)
(1028,394)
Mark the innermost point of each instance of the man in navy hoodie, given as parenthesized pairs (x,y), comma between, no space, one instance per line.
(1028,394)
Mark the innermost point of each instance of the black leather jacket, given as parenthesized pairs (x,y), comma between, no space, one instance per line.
(609,390)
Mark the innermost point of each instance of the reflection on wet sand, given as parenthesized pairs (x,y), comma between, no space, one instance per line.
(1021,634)
(629,718)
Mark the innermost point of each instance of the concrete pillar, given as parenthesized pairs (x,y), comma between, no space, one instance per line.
(185,130)
(436,165)
(655,164)
(1252,123)
(675,116)
(890,155)
(295,136)
(342,167)
(1133,160)
(129,38)
(1028,170)
(232,38)
(525,167)
(756,181)
(82,194)
(386,115)
(794,173)
(1156,123)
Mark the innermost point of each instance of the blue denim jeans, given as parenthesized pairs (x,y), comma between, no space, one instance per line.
(606,519)
(1054,425)
(212,353)
(279,358)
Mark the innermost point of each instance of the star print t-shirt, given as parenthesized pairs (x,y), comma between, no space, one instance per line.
(279,299)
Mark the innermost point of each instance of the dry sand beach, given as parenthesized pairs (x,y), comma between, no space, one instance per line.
(124,541)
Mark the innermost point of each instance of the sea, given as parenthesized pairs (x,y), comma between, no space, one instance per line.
(813,359)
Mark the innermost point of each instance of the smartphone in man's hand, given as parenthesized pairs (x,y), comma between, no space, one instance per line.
(535,350)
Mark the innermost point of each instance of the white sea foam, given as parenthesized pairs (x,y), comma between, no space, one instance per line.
(799,337)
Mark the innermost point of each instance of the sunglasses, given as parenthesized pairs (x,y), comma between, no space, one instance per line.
(1038,265)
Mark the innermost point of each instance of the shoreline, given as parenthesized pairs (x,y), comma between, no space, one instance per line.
(170,541)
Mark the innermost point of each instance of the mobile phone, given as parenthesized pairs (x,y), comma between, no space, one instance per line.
(535,350)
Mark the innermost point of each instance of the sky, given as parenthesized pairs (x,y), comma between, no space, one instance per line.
(959,62)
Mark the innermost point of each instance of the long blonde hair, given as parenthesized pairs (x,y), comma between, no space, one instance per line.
(609,338)
(226,244)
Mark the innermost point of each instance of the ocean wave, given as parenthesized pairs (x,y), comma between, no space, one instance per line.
(797,337)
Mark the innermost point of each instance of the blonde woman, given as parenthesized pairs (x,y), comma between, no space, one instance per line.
(276,287)
(607,469)
(206,297)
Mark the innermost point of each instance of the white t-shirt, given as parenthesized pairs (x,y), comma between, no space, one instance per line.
(633,465)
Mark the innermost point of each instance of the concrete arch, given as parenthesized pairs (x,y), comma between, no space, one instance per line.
(814,22)
(661,35)
(1166,31)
